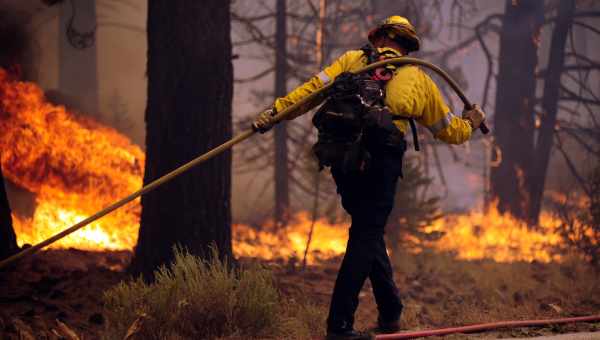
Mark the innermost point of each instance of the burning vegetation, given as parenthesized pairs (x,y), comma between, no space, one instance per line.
(497,236)
(452,269)
(76,166)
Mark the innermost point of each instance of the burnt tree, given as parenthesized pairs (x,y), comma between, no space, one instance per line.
(515,99)
(8,239)
(188,112)
(552,86)
(282,196)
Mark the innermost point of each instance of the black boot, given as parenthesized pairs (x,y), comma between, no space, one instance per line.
(387,327)
(348,334)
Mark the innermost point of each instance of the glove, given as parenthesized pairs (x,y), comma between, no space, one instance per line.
(474,116)
(264,121)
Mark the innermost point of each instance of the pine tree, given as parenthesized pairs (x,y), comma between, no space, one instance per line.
(413,211)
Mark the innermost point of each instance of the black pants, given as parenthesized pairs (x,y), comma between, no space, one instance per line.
(368,198)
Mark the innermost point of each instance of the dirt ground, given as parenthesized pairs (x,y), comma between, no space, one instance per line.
(64,285)
(438,291)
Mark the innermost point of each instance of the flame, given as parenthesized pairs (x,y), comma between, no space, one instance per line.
(497,236)
(76,166)
(328,240)
(471,236)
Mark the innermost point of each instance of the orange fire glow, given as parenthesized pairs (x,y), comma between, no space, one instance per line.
(328,240)
(490,234)
(76,166)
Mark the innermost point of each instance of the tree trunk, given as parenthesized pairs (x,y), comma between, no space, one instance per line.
(8,239)
(282,199)
(78,69)
(190,81)
(545,139)
(515,99)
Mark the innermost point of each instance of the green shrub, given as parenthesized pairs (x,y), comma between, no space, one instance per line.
(202,299)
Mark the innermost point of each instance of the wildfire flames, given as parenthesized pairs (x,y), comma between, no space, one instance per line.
(328,240)
(497,236)
(76,166)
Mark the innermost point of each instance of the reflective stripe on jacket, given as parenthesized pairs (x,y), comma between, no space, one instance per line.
(410,93)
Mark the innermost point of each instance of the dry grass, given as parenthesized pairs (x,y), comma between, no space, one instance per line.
(442,291)
(194,298)
(439,290)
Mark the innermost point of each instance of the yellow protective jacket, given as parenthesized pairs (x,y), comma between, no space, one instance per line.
(410,93)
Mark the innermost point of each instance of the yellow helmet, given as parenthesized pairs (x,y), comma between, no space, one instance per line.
(396,20)
(397,28)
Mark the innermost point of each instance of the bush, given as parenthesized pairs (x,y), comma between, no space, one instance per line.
(580,228)
(196,298)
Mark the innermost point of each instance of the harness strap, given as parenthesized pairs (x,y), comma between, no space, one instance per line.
(380,74)
(413,130)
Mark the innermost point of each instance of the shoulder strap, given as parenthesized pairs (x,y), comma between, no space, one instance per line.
(413,129)
(373,56)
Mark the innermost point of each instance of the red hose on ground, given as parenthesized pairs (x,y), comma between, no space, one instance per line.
(487,327)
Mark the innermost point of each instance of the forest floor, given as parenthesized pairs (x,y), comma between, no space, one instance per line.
(438,291)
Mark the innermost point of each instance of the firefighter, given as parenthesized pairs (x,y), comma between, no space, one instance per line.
(361,129)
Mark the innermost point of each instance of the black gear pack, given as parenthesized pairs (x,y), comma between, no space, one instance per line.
(354,124)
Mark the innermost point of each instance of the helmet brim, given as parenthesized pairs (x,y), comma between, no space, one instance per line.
(410,41)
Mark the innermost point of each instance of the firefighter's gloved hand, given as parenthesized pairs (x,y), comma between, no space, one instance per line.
(264,121)
(474,116)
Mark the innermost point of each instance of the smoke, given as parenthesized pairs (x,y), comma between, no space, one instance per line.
(15,47)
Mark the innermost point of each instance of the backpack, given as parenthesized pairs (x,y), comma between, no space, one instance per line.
(354,125)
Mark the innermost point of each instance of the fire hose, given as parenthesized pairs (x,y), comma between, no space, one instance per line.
(486,327)
(302,106)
